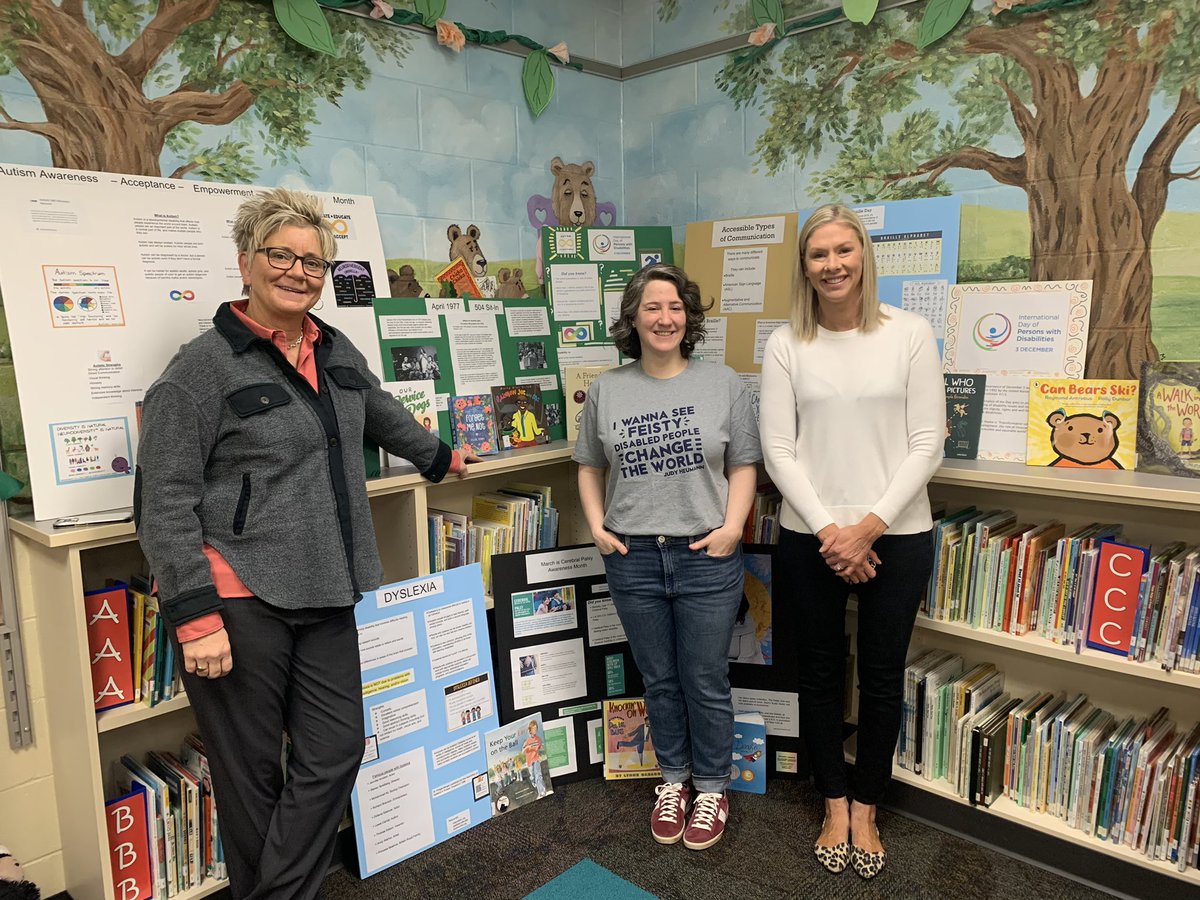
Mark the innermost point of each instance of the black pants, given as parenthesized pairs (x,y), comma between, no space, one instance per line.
(296,670)
(887,609)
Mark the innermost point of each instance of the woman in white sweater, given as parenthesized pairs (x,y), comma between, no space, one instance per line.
(852,417)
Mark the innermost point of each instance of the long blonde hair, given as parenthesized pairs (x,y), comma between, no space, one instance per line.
(805,305)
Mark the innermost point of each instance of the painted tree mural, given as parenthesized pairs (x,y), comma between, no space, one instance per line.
(1071,90)
(120,80)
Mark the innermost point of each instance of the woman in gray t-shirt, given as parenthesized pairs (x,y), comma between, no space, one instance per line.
(667,451)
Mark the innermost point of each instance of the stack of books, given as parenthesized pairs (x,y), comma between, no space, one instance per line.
(993,572)
(132,657)
(519,516)
(1132,781)
(181,815)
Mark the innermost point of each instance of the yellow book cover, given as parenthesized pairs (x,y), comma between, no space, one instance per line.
(1082,423)
(628,746)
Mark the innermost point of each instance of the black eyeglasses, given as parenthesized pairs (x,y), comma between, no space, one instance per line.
(283,258)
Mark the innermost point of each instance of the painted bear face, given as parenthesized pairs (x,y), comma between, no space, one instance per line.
(1083,438)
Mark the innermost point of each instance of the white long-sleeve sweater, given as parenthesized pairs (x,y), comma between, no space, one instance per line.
(853,422)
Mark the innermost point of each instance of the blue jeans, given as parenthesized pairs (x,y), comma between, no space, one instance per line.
(678,608)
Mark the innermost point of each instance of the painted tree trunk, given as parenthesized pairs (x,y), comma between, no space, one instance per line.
(1085,222)
(1091,228)
(97,116)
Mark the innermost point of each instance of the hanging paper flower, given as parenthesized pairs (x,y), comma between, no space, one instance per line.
(559,52)
(762,34)
(450,35)
(381,10)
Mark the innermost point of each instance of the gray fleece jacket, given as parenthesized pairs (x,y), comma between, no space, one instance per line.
(239,452)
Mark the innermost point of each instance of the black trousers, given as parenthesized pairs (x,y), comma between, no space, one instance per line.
(887,610)
(296,670)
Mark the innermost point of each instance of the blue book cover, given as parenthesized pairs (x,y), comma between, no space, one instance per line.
(473,423)
(749,769)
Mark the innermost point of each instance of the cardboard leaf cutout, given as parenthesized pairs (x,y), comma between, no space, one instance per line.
(430,11)
(765,11)
(940,18)
(538,80)
(860,11)
(304,23)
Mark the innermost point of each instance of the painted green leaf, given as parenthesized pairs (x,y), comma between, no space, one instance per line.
(765,11)
(538,80)
(860,11)
(304,23)
(430,11)
(940,18)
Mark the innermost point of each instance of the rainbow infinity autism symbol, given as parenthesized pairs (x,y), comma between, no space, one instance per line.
(992,330)
(182,295)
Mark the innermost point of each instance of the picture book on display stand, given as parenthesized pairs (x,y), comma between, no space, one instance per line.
(560,651)
(964,414)
(520,415)
(1082,423)
(473,424)
(1169,416)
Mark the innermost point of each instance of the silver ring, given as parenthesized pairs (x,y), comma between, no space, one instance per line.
(838,568)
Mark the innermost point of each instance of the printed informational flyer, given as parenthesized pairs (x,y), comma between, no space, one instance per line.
(547,673)
(428,699)
(744,279)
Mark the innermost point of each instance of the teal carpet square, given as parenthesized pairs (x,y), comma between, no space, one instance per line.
(588,881)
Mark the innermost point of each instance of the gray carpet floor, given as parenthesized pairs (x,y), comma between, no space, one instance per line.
(765,854)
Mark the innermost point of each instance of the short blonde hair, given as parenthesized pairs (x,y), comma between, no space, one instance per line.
(805,305)
(261,216)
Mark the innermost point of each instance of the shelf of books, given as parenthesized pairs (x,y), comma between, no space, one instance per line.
(1054,674)
(1006,808)
(119,720)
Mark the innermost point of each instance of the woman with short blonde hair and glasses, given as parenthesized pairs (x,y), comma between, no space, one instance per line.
(251,507)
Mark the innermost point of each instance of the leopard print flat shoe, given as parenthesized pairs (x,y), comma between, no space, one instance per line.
(867,863)
(833,858)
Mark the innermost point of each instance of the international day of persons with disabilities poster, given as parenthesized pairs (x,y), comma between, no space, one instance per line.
(428,699)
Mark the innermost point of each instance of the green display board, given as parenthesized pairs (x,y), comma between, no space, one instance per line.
(469,346)
(586,270)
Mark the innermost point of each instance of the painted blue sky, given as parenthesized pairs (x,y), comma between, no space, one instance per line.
(443,138)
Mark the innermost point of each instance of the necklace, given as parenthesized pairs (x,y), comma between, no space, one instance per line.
(292,345)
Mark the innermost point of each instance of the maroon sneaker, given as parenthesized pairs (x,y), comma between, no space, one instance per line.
(670,812)
(707,822)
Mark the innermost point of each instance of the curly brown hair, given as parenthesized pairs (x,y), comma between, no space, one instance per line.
(624,331)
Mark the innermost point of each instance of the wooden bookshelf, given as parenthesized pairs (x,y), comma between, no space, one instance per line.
(1005,808)
(54,566)
(1153,509)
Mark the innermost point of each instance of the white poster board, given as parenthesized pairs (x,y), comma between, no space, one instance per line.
(1012,332)
(104,276)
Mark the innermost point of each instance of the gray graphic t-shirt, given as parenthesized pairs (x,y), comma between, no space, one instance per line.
(666,443)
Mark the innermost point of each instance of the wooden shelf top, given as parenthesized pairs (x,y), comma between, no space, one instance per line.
(1131,488)
(42,531)
(1039,646)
